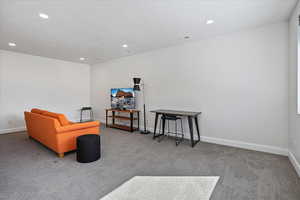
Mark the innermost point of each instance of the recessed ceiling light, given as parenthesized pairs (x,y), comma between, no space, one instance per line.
(12,44)
(210,21)
(125,45)
(82,58)
(43,15)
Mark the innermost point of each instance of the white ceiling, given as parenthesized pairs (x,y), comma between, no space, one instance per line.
(96,29)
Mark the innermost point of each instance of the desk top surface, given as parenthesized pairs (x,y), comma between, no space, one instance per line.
(176,112)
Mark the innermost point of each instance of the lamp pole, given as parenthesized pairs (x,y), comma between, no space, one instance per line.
(137,83)
(144,107)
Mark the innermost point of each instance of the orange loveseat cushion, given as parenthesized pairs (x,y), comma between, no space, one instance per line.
(60,117)
(38,111)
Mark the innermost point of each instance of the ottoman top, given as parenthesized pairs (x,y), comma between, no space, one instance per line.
(88,137)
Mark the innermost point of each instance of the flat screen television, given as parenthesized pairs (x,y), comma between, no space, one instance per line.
(122,98)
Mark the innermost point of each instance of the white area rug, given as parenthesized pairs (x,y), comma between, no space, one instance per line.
(165,188)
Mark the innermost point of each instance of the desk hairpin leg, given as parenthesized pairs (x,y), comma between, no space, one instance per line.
(197,127)
(190,120)
(155,126)
(163,126)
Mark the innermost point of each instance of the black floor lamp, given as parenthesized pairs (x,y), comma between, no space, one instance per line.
(136,87)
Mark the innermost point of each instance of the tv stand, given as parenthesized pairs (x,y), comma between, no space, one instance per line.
(134,115)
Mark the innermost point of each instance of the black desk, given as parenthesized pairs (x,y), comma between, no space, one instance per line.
(190,116)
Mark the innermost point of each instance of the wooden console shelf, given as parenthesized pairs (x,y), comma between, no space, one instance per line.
(122,127)
(123,117)
(130,118)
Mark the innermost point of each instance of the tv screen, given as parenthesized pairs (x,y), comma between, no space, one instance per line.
(122,98)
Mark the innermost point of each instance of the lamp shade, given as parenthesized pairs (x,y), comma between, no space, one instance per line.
(136,81)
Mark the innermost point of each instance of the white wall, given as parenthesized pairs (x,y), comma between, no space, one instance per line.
(294,118)
(239,82)
(30,81)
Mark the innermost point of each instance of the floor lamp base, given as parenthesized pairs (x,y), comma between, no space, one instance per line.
(145,132)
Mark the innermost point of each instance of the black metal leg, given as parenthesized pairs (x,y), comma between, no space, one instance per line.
(197,127)
(155,125)
(191,130)
(181,128)
(131,122)
(168,127)
(106,118)
(163,125)
(138,120)
(113,117)
(176,137)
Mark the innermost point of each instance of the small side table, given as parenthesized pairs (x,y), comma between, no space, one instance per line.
(88,148)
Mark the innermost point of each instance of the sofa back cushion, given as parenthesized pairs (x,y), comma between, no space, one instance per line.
(60,117)
(63,120)
(38,111)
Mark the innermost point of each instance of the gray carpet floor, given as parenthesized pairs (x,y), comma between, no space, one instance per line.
(30,171)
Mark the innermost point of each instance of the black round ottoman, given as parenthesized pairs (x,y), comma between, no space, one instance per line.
(88,148)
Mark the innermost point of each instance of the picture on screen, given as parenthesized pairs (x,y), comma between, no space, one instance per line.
(122,98)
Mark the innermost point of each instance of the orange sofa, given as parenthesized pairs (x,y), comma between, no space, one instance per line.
(55,131)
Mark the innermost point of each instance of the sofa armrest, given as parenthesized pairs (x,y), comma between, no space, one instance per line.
(77,126)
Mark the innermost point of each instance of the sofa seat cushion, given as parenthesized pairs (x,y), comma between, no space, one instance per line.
(60,117)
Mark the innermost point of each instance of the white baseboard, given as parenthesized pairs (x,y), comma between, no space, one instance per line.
(245,145)
(235,143)
(240,144)
(294,162)
(12,130)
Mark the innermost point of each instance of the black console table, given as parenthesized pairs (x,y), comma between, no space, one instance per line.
(190,116)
